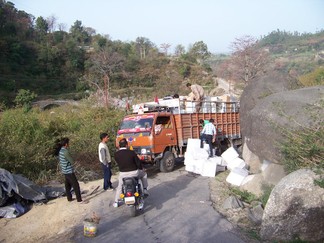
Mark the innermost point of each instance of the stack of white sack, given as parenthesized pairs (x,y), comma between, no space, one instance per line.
(197,161)
(236,165)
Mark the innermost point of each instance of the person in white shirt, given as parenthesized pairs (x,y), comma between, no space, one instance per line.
(105,159)
(209,134)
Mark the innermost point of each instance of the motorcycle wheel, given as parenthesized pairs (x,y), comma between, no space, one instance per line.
(132,210)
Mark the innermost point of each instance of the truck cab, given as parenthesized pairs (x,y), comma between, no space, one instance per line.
(152,136)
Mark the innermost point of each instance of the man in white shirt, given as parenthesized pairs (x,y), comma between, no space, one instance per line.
(105,159)
(209,134)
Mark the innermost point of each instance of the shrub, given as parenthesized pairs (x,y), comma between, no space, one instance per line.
(185,70)
(24,99)
(303,149)
(243,195)
(27,139)
(313,78)
(320,183)
(266,191)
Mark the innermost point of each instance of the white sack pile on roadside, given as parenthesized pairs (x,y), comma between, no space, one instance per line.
(236,165)
(197,161)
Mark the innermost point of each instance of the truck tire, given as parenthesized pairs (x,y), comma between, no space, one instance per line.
(167,162)
(223,146)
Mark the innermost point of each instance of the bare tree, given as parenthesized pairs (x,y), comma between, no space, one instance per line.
(165,47)
(247,59)
(51,22)
(62,27)
(143,46)
(104,63)
(90,31)
(179,50)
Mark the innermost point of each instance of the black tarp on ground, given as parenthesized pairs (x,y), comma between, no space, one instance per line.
(16,188)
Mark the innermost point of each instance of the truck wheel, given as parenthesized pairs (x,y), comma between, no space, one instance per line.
(223,146)
(167,162)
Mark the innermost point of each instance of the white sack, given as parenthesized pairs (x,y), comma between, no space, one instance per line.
(209,168)
(193,143)
(195,166)
(229,155)
(196,153)
(237,162)
(216,159)
(236,176)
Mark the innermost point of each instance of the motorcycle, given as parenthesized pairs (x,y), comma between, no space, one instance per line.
(133,195)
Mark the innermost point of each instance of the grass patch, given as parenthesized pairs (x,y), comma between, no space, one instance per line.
(253,234)
(303,149)
(319,183)
(266,189)
(244,195)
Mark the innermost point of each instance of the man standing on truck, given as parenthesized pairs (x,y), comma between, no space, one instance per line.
(203,122)
(209,134)
(129,166)
(198,93)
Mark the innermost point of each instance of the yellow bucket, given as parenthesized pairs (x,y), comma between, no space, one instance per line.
(89,228)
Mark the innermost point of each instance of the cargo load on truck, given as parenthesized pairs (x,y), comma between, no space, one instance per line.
(159,131)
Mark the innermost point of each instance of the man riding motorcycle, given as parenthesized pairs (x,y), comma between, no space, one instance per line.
(129,166)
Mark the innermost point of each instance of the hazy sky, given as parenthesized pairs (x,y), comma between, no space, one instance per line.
(215,22)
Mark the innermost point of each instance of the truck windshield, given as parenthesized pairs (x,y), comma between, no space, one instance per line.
(136,124)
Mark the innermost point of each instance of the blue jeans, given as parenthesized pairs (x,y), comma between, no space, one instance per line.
(107,176)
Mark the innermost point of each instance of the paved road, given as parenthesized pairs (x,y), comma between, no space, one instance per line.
(178,210)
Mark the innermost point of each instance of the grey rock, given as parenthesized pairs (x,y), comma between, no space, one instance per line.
(232,202)
(251,159)
(263,125)
(255,214)
(295,209)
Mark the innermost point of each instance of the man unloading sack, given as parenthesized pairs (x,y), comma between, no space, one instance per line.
(209,134)
(198,94)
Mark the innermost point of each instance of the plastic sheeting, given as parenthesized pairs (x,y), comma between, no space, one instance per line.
(16,188)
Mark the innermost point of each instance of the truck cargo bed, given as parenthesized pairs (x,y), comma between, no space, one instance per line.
(227,121)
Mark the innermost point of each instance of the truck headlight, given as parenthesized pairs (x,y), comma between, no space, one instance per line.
(145,151)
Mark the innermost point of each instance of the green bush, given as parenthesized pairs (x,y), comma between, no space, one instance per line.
(185,70)
(244,195)
(319,182)
(24,99)
(313,78)
(303,149)
(266,191)
(27,139)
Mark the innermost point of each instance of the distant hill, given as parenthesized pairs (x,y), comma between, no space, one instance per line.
(54,63)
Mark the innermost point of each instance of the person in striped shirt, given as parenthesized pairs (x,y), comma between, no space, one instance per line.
(65,162)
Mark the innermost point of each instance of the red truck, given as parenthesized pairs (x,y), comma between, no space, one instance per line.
(159,133)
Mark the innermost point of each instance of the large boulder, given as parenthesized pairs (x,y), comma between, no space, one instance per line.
(295,209)
(263,124)
(258,89)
